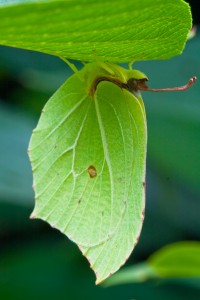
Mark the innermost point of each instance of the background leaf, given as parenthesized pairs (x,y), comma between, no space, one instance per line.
(178,260)
(117,31)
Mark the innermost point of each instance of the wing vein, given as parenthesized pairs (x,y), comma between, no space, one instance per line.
(107,156)
(61,122)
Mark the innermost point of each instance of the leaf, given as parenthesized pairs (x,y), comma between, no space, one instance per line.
(88,158)
(178,260)
(115,31)
(134,274)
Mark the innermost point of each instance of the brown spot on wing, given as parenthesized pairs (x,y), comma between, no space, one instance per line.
(92,171)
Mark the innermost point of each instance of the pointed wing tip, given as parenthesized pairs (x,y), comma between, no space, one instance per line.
(33,216)
(100,280)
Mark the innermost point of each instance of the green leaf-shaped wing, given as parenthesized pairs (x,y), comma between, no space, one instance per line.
(88,156)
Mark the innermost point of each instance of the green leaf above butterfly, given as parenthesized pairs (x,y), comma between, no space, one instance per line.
(87,30)
(88,156)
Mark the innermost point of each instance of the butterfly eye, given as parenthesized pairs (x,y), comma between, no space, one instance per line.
(133,85)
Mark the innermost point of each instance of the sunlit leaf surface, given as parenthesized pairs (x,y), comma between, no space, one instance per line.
(87,30)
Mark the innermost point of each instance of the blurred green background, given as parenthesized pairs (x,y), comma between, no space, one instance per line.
(38,262)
